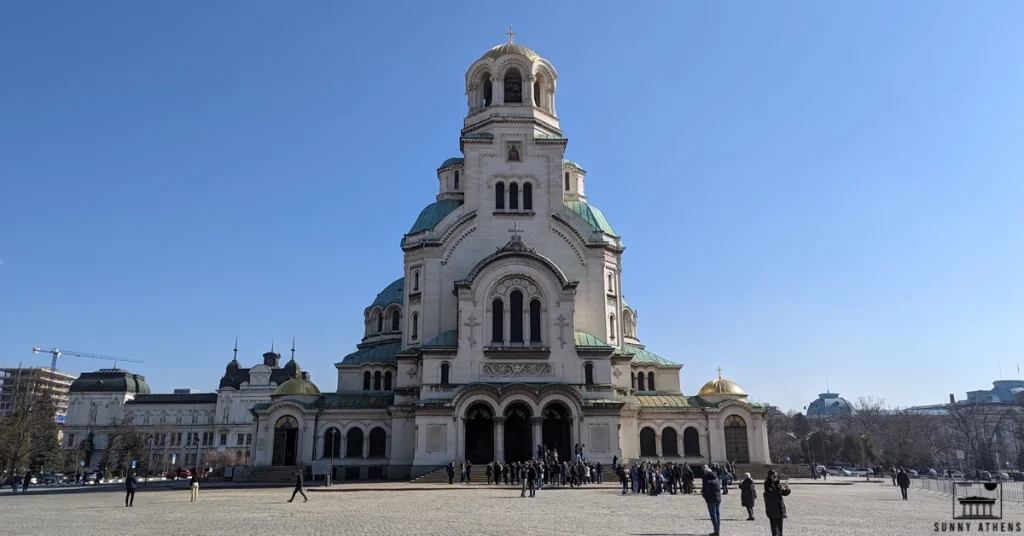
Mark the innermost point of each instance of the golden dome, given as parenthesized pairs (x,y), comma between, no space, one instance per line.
(296,386)
(510,48)
(721,386)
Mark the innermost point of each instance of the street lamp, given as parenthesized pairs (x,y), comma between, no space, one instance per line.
(149,458)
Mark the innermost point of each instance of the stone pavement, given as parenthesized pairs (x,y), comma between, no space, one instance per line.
(402,509)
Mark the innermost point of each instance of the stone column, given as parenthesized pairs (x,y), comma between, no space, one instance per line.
(657,445)
(497,91)
(366,446)
(528,89)
(537,433)
(460,445)
(507,321)
(342,448)
(499,438)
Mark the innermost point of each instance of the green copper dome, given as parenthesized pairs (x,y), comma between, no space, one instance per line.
(593,216)
(452,162)
(573,163)
(433,214)
(393,293)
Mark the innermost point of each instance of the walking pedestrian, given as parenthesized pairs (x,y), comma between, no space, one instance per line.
(195,485)
(774,504)
(903,480)
(469,472)
(748,495)
(129,487)
(298,487)
(711,490)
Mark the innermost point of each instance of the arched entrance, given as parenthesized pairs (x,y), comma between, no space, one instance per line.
(736,449)
(479,434)
(518,436)
(286,438)
(556,432)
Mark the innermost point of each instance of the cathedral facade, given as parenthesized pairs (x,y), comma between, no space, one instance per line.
(508,328)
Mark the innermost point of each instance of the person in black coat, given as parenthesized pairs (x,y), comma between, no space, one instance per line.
(450,469)
(711,490)
(903,481)
(774,504)
(129,486)
(298,487)
(748,495)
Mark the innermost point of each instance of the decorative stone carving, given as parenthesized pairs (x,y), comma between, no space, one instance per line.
(517,369)
(412,372)
(471,325)
(561,324)
(437,437)
(616,371)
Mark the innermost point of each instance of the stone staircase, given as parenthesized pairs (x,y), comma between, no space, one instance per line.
(284,474)
(479,474)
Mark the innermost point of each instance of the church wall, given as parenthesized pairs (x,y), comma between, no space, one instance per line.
(628,436)
(437,440)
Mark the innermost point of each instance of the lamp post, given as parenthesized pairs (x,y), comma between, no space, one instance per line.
(149,458)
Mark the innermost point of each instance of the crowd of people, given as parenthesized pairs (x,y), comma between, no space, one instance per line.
(544,470)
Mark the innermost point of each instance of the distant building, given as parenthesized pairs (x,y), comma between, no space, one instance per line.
(828,405)
(1002,391)
(55,383)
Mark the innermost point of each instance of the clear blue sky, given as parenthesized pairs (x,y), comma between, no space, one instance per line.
(805,188)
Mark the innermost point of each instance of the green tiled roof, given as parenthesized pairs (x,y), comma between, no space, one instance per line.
(452,162)
(434,213)
(593,216)
(643,356)
(480,136)
(587,340)
(572,163)
(357,401)
(393,293)
(381,353)
(444,339)
(624,304)
(663,401)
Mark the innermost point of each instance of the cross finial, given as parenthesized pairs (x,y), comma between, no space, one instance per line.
(719,373)
(510,34)
(516,231)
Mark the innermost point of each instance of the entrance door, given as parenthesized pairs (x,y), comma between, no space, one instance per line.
(286,436)
(557,430)
(736,449)
(479,434)
(518,436)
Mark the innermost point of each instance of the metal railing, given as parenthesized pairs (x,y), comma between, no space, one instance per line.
(1012,491)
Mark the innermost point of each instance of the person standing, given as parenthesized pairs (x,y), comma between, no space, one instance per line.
(450,469)
(711,490)
(774,504)
(489,472)
(521,471)
(903,481)
(26,482)
(600,473)
(129,486)
(195,486)
(748,495)
(623,480)
(298,487)
(531,476)
(469,472)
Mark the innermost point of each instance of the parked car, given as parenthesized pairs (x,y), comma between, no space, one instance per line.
(171,475)
(911,473)
(1016,476)
(61,478)
(929,472)
(983,475)
(956,474)
(48,479)
(91,478)
(1000,475)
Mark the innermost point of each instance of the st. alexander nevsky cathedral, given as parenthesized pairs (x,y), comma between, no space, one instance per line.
(507,330)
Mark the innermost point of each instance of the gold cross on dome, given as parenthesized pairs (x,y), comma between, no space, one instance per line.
(510,34)
(719,372)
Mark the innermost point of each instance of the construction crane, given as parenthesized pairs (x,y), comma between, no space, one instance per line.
(56,352)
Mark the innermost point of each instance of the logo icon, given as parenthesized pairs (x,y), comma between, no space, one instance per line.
(977,500)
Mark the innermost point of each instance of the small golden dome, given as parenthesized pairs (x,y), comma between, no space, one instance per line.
(296,386)
(721,386)
(510,48)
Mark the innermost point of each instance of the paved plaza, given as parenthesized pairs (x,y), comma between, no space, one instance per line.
(403,509)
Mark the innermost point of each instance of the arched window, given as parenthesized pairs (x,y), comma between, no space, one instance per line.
(415,326)
(387,381)
(354,446)
(499,196)
(669,442)
(611,283)
(648,442)
(515,307)
(632,380)
(488,90)
(416,281)
(394,320)
(380,322)
(445,367)
(378,443)
(367,378)
(566,181)
(332,443)
(588,374)
(691,442)
(650,381)
(536,93)
(513,86)
(611,327)
(456,179)
(497,321)
(527,196)
(376,381)
(535,320)
(513,196)
(640,382)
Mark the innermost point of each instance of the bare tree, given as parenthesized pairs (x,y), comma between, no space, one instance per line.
(978,426)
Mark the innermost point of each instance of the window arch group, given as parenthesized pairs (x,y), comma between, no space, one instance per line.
(648,442)
(377,380)
(588,374)
(515,197)
(516,319)
(332,443)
